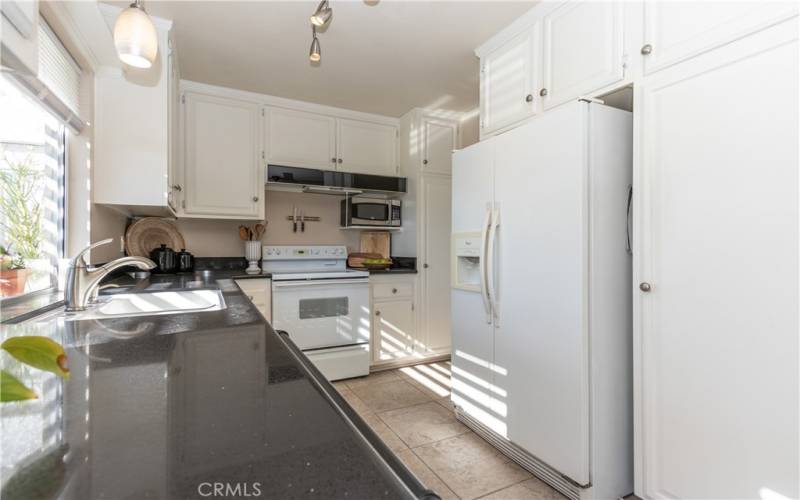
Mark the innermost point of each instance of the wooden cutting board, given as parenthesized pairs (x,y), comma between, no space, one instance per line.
(379,242)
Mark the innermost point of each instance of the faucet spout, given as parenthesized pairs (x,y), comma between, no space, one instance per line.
(83,280)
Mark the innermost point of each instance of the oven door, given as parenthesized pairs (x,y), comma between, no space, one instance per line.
(322,313)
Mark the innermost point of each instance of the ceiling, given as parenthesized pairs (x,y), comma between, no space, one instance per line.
(378,56)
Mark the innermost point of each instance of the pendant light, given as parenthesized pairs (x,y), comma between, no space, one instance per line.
(314,53)
(135,37)
(322,14)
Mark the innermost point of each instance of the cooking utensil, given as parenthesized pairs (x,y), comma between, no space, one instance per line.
(294,219)
(260,228)
(243,233)
(149,233)
(303,221)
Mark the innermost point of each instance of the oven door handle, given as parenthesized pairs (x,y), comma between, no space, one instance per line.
(332,282)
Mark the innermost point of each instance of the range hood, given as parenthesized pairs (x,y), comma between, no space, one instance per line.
(310,180)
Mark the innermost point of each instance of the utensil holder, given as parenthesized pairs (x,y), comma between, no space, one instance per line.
(252,252)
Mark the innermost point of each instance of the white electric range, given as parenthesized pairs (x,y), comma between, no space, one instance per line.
(322,305)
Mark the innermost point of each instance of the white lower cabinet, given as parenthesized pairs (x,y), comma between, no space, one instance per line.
(394,330)
(259,291)
(223,173)
(716,318)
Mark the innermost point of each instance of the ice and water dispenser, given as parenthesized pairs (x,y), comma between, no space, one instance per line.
(466,261)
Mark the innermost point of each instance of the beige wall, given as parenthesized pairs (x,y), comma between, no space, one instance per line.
(220,238)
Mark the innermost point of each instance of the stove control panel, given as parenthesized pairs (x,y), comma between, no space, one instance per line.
(291,252)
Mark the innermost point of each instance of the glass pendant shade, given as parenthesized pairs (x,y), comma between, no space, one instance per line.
(135,37)
(314,53)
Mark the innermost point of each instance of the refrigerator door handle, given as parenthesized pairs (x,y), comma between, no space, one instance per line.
(482,261)
(490,275)
(628,247)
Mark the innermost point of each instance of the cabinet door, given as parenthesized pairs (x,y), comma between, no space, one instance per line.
(300,139)
(223,170)
(393,330)
(367,148)
(508,77)
(174,187)
(438,143)
(717,343)
(436,194)
(582,50)
(676,31)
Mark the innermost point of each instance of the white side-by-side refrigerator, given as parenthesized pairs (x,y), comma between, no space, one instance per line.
(542,354)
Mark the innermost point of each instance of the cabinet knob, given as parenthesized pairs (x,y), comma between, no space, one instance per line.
(529,98)
(177,187)
(394,290)
(340,160)
(377,313)
(543,92)
(644,286)
(647,49)
(333,160)
(255,198)
(424,162)
(425,266)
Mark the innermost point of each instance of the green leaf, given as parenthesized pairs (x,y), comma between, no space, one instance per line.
(39,352)
(11,389)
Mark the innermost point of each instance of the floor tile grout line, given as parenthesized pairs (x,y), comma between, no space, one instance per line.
(434,472)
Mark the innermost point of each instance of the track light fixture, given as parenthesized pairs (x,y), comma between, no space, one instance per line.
(314,53)
(322,15)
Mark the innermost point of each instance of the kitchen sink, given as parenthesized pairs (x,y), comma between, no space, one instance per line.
(124,305)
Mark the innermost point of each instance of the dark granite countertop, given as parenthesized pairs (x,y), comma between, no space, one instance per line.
(170,406)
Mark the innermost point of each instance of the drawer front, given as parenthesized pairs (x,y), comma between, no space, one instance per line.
(253,286)
(391,290)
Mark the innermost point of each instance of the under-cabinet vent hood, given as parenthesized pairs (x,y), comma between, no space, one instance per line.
(310,180)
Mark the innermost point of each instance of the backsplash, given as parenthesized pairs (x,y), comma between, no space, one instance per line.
(214,238)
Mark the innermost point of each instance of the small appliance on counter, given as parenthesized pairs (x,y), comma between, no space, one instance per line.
(164,257)
(185,261)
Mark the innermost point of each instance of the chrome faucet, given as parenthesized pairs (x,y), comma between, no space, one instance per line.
(83,280)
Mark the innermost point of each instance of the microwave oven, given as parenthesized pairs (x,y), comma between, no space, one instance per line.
(360,211)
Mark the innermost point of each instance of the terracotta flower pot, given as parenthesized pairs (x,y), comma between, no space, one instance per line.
(12,282)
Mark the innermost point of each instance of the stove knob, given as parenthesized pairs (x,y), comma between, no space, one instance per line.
(269,251)
(277,251)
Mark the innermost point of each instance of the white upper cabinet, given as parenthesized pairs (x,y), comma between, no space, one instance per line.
(300,139)
(438,143)
(222,162)
(368,148)
(675,31)
(508,81)
(583,48)
(19,23)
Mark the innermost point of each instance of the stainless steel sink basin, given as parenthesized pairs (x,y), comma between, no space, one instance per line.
(123,305)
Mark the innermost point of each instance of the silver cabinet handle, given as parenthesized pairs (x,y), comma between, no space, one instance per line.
(543,92)
(644,286)
(647,49)
(424,162)
(628,247)
(340,160)
(177,187)
(425,266)
(255,198)
(394,290)
(377,313)
(529,98)
(333,160)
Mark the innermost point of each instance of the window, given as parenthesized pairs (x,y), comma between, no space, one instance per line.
(32,192)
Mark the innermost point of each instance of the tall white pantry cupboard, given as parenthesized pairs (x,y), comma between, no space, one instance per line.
(717,310)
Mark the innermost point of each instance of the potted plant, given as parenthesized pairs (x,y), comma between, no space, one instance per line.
(13,274)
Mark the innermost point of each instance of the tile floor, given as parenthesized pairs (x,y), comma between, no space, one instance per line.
(409,408)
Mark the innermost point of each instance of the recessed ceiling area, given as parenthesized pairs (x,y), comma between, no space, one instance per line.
(382,57)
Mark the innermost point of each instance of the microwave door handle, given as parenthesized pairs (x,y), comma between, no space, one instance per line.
(482,268)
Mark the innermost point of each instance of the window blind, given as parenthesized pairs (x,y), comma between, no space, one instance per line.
(58,82)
